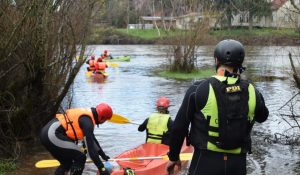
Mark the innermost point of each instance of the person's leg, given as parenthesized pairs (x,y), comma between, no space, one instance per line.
(63,168)
(236,164)
(62,148)
(207,162)
(78,165)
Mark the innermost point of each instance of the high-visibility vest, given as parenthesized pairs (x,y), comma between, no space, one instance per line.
(157,126)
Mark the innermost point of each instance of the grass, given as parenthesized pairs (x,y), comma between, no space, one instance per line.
(6,166)
(197,74)
(267,32)
(147,34)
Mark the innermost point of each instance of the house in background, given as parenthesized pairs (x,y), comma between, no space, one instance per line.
(283,16)
(148,22)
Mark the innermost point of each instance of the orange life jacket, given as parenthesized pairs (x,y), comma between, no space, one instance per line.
(92,64)
(100,66)
(105,56)
(70,121)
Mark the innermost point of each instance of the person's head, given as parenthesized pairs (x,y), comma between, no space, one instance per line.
(104,112)
(92,56)
(99,59)
(229,53)
(162,105)
(105,51)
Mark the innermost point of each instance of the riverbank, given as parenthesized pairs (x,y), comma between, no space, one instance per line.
(255,37)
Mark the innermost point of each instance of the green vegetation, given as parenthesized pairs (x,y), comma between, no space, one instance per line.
(262,32)
(147,34)
(6,166)
(150,36)
(197,74)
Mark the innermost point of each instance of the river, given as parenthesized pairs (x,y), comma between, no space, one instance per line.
(133,88)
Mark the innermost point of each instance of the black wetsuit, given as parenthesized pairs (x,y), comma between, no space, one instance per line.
(166,136)
(204,161)
(62,148)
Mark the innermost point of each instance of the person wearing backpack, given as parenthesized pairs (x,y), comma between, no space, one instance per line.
(221,111)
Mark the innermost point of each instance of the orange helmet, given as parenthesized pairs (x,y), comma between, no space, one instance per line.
(104,112)
(163,102)
(92,56)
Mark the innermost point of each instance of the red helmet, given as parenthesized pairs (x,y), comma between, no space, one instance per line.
(104,112)
(105,51)
(162,102)
(99,59)
(92,56)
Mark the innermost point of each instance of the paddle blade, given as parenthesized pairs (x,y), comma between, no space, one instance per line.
(112,64)
(88,73)
(116,118)
(47,163)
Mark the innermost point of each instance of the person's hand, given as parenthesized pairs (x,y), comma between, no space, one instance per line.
(105,157)
(103,171)
(171,165)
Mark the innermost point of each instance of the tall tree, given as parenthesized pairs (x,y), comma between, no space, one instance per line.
(38,43)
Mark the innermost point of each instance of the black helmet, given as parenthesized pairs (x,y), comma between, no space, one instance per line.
(230,52)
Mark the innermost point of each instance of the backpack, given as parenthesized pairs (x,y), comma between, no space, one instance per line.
(232,101)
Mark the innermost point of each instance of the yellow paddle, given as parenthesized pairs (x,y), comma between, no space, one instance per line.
(110,64)
(116,118)
(55,163)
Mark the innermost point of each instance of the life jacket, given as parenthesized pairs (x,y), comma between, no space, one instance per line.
(70,122)
(92,64)
(105,56)
(157,126)
(100,67)
(225,122)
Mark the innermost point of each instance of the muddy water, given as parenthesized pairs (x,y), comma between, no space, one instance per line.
(132,89)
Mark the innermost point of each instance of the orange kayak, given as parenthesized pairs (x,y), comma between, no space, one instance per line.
(147,167)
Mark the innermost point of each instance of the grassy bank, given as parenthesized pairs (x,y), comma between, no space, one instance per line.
(6,166)
(198,74)
(261,32)
(256,36)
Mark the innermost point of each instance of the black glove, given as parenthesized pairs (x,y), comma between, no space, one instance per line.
(103,171)
(105,157)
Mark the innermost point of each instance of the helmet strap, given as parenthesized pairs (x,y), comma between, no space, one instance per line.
(95,115)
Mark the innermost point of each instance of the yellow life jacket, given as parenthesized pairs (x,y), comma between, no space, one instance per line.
(157,126)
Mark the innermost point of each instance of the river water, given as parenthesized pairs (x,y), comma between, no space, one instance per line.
(133,88)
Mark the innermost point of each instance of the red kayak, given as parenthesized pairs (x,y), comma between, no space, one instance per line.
(147,167)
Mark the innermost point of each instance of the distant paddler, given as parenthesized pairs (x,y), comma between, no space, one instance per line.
(91,63)
(106,55)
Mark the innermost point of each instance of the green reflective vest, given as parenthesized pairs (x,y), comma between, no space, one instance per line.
(157,126)
(211,109)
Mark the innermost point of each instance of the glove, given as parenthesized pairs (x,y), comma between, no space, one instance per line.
(171,165)
(103,171)
(105,157)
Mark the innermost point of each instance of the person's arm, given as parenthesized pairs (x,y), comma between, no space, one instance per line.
(100,150)
(143,126)
(181,123)
(87,126)
(261,111)
(170,124)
